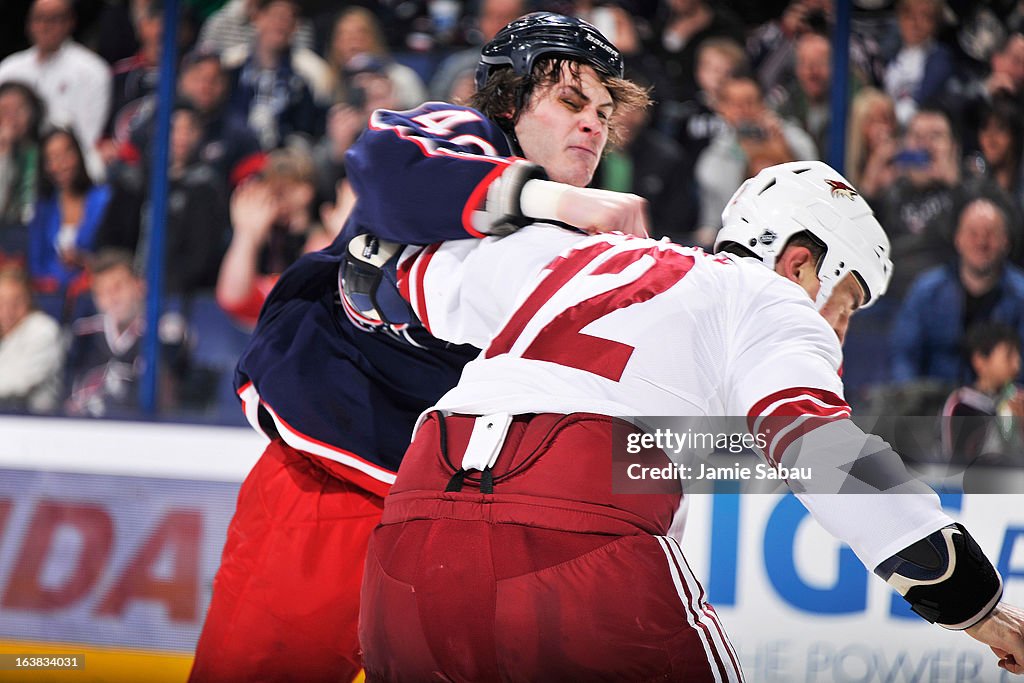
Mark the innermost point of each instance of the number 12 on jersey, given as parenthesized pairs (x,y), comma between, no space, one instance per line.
(562,340)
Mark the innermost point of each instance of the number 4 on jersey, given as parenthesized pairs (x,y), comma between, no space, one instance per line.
(562,340)
(443,123)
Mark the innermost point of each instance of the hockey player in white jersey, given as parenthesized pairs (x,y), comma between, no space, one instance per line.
(503,553)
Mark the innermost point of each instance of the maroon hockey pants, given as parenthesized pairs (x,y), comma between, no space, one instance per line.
(450,594)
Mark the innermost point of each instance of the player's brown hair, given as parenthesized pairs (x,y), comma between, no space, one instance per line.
(505,95)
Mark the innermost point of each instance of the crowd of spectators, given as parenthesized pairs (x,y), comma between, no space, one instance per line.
(271,93)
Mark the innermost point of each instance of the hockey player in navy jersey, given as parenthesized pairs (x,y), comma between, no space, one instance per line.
(505,553)
(338,370)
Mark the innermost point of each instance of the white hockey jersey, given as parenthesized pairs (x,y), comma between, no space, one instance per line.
(623,326)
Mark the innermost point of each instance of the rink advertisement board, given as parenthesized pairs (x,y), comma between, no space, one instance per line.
(110,534)
(800,607)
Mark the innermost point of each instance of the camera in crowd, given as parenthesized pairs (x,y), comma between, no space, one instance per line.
(751,131)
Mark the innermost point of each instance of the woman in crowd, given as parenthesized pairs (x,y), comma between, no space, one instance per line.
(871,142)
(67,216)
(1000,144)
(21,114)
(357,31)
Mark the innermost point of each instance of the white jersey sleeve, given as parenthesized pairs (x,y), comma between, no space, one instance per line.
(784,377)
(464,290)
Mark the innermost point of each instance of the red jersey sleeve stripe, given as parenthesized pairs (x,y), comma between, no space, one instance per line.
(402,274)
(476,200)
(419,295)
(794,401)
(797,428)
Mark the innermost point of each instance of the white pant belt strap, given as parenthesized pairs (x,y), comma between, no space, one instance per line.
(485,442)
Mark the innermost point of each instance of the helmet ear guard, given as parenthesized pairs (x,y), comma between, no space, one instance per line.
(810,197)
(547,34)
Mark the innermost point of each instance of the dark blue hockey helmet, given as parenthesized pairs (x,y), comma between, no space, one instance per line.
(546,34)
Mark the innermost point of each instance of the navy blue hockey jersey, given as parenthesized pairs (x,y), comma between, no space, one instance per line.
(352,392)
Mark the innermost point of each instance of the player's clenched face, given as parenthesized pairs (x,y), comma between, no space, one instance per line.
(565,126)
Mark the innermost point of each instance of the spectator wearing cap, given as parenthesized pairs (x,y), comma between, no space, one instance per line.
(31,349)
(980,285)
(357,34)
(919,209)
(73,81)
(272,221)
(267,89)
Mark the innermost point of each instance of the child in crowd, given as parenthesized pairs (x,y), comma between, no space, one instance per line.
(969,434)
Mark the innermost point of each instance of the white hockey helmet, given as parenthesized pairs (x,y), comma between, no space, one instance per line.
(810,197)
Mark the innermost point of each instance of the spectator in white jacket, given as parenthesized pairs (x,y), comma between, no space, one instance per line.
(31,348)
(73,81)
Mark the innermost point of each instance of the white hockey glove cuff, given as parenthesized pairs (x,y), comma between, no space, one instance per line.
(505,196)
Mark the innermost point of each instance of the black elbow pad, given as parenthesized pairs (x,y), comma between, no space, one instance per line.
(945,577)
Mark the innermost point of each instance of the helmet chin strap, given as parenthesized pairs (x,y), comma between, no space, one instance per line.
(509,129)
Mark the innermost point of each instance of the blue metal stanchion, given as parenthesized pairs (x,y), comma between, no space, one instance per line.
(838,105)
(158,207)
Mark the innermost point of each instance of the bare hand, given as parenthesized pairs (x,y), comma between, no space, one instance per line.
(598,211)
(879,170)
(253,210)
(999,82)
(1003,631)
(333,216)
(946,169)
(794,19)
(344,123)
(1016,404)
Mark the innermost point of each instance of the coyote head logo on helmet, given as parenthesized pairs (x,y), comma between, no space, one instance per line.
(841,189)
